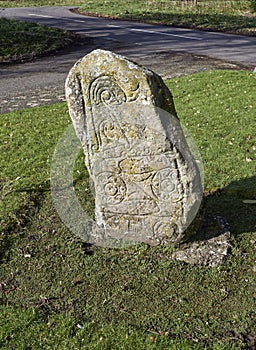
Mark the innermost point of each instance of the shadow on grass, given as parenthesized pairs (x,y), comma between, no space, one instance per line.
(139,287)
(226,203)
(229,203)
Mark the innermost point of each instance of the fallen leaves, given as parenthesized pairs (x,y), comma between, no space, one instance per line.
(248,159)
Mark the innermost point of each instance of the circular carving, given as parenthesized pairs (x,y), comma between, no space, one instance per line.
(166,229)
(164,184)
(115,189)
(111,189)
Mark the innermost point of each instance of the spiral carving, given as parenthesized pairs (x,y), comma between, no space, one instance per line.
(164,184)
(109,131)
(115,189)
(105,90)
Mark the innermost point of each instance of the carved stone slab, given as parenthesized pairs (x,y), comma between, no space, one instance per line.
(147,183)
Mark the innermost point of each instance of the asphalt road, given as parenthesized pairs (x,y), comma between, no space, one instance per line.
(145,38)
(147,44)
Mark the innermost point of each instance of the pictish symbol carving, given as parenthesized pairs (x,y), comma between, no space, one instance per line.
(114,189)
(136,153)
(110,132)
(166,229)
(164,184)
(107,90)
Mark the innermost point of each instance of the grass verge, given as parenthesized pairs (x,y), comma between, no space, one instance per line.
(20,41)
(207,15)
(57,291)
(230,16)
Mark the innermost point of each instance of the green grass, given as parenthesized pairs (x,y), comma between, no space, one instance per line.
(60,332)
(231,16)
(21,41)
(57,292)
(210,15)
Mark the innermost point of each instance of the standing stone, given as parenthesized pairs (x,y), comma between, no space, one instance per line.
(147,183)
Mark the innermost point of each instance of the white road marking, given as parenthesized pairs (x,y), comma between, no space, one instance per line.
(163,33)
(78,20)
(130,29)
(112,25)
(155,32)
(35,15)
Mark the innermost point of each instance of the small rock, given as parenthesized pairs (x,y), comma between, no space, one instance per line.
(208,251)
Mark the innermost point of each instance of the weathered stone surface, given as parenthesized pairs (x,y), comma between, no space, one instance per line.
(212,248)
(147,183)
